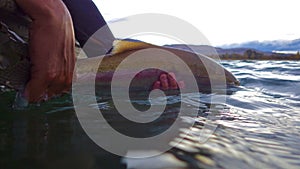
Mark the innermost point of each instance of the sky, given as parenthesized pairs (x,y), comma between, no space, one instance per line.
(221,21)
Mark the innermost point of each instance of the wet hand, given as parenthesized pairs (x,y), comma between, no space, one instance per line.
(167,82)
(51,49)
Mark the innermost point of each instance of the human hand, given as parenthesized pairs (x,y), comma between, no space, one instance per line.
(167,82)
(51,49)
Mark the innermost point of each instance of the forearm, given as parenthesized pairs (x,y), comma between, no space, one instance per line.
(87,21)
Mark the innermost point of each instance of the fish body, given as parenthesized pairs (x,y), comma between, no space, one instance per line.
(204,70)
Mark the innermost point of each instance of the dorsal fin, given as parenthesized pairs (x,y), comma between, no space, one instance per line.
(121,46)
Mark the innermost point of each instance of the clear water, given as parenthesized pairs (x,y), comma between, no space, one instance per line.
(257,127)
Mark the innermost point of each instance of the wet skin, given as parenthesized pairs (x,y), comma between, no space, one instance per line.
(167,82)
(51,28)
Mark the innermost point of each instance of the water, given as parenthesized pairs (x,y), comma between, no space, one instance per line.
(257,127)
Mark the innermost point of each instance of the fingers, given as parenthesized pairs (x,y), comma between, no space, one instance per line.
(167,82)
(164,81)
(41,89)
(181,84)
(36,90)
(58,87)
(172,81)
(63,82)
(156,85)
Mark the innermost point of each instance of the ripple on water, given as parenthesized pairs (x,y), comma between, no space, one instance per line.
(257,127)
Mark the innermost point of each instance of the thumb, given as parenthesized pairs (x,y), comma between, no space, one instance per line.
(35,90)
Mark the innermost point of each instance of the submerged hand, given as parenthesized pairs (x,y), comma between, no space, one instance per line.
(51,49)
(168,82)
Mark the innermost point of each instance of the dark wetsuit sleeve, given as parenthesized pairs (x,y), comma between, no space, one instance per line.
(87,21)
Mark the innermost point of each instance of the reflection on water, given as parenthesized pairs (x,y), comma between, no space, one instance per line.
(258,127)
(42,138)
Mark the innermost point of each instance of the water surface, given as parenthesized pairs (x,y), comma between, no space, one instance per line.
(257,127)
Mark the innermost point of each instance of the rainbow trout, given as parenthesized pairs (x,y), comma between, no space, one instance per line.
(15,64)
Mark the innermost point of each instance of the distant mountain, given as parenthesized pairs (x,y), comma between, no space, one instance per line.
(268,46)
(236,53)
(211,51)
